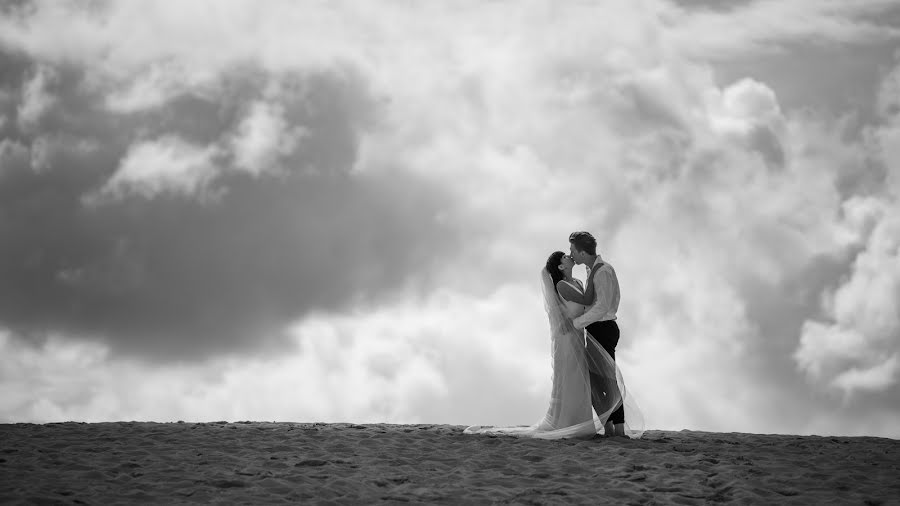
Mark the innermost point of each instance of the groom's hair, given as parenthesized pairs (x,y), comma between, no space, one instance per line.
(584,241)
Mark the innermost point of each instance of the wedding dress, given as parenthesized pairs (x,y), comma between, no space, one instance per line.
(574,410)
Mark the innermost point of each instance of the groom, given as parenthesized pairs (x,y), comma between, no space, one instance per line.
(600,318)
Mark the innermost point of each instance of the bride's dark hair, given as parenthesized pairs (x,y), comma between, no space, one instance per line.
(552,267)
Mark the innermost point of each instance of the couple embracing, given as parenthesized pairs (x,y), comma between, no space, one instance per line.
(588,393)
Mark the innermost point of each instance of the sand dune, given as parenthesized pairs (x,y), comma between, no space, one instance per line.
(258,462)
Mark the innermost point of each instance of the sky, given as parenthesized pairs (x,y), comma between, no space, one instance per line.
(338,211)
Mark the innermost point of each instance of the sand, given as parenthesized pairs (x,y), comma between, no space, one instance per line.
(258,462)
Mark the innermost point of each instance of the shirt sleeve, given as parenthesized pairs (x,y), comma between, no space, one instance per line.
(602,282)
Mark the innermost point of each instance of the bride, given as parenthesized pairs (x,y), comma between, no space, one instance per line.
(574,356)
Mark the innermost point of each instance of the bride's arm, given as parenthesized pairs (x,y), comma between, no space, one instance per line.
(566,291)
(572,313)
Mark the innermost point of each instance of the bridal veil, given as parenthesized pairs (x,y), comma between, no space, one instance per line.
(575,410)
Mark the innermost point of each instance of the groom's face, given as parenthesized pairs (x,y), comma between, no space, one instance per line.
(577,256)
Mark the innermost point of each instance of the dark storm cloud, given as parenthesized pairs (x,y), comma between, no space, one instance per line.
(175,275)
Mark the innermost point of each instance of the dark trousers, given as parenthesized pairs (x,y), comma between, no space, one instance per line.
(607,335)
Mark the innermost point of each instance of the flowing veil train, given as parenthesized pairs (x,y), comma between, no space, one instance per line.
(575,411)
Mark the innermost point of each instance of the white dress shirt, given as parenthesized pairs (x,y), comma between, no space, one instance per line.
(606,295)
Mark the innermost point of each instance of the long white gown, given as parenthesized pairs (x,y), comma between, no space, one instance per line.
(574,411)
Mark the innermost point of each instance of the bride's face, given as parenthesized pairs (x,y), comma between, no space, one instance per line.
(567,263)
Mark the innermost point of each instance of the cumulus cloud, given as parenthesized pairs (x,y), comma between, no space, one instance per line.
(856,345)
(751,113)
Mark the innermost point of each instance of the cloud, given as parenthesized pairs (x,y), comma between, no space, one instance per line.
(264,137)
(36,99)
(751,113)
(416,362)
(878,377)
(855,346)
(767,26)
(167,164)
(183,230)
(371,206)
